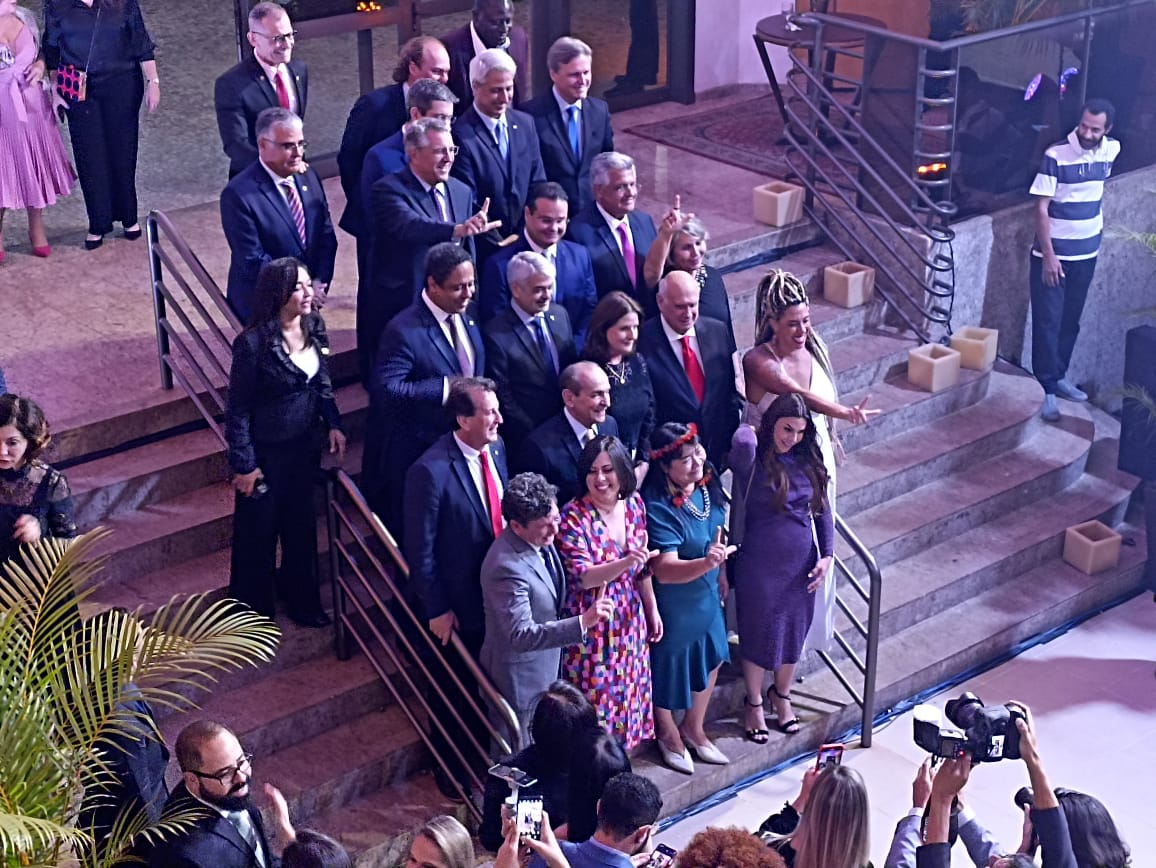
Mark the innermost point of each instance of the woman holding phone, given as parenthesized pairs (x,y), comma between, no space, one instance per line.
(280,412)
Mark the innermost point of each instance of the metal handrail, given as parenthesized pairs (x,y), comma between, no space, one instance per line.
(358,579)
(195,325)
(873,597)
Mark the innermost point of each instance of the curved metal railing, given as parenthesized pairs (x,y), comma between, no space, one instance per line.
(368,570)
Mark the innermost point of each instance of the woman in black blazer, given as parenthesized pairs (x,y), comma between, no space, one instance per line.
(280,413)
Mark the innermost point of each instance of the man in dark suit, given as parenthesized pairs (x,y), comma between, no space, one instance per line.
(269,78)
(545,225)
(499,155)
(215,777)
(491,26)
(527,345)
(573,127)
(424,347)
(523,586)
(276,207)
(612,231)
(380,114)
(413,210)
(628,812)
(453,498)
(553,448)
(691,366)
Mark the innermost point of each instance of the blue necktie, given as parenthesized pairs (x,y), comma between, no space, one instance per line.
(544,342)
(572,128)
(503,139)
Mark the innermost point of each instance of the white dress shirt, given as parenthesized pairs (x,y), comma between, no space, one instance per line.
(676,343)
(474,460)
(614,224)
(286,76)
(580,430)
(443,320)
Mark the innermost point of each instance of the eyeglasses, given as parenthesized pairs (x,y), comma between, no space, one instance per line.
(281,39)
(450,151)
(289,147)
(244,766)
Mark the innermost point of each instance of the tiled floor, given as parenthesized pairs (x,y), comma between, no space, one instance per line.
(1093,695)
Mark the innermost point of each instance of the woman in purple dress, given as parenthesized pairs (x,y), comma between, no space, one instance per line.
(780,567)
(603,546)
(34,167)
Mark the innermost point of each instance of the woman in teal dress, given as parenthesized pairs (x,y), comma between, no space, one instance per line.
(685,509)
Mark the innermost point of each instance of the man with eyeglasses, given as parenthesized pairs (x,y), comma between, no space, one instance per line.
(411,211)
(216,775)
(268,78)
(277,207)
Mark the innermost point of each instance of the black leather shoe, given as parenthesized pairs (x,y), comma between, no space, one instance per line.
(133,234)
(313,619)
(93,243)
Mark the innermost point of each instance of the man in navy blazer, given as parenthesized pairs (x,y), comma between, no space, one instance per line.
(628,812)
(380,114)
(612,231)
(573,127)
(453,514)
(422,349)
(260,209)
(545,219)
(491,26)
(527,345)
(553,448)
(414,209)
(498,154)
(268,78)
(677,342)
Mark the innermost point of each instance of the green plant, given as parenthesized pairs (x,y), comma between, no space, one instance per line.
(981,16)
(62,685)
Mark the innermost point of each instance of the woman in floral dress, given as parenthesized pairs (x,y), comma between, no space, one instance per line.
(603,546)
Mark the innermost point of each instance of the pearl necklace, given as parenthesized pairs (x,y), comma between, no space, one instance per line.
(696,513)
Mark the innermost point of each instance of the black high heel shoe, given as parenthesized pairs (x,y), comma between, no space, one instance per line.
(132,234)
(790,727)
(758,736)
(93,243)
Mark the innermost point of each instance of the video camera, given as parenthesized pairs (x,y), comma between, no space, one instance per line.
(987,732)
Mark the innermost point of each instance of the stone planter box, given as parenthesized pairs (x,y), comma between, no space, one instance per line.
(977,347)
(778,203)
(1091,547)
(933,367)
(848,284)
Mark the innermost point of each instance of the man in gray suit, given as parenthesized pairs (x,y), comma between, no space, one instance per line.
(523,585)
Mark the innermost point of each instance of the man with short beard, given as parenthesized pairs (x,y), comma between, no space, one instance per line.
(215,776)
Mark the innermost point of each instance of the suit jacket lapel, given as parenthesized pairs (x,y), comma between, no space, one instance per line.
(558,125)
(675,364)
(607,236)
(281,206)
(491,143)
(462,471)
(421,197)
(538,566)
(437,337)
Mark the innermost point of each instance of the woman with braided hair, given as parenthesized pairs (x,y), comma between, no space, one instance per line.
(789,356)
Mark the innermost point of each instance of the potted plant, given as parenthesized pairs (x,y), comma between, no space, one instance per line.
(65,691)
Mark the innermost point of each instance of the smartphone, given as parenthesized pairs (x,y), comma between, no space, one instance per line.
(829,755)
(662,857)
(512,776)
(530,818)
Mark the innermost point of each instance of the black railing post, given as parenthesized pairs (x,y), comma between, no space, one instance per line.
(156,275)
(340,631)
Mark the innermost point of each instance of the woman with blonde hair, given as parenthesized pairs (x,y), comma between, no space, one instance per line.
(828,825)
(443,842)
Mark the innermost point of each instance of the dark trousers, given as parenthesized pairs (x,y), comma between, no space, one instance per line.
(284,513)
(1056,318)
(642,59)
(105,131)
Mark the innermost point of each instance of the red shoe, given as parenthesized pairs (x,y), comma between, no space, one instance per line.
(43,252)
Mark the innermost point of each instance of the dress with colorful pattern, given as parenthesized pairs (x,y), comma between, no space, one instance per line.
(612,665)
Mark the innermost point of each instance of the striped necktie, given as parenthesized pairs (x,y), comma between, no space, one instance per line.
(295,209)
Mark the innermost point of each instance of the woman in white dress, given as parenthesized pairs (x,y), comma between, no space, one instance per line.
(789,356)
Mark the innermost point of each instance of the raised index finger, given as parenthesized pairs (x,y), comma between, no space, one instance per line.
(485,206)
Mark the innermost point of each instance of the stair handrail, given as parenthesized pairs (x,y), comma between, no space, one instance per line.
(352,586)
(873,597)
(168,253)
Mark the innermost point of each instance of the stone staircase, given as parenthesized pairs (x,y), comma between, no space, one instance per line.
(962,496)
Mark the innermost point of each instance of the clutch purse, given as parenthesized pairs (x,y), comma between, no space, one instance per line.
(72,83)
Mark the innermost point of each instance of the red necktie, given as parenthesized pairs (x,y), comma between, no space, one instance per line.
(493,502)
(693,369)
(628,254)
(282,90)
(295,209)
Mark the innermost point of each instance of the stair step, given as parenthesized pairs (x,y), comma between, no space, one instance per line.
(354,758)
(286,706)
(943,508)
(972,633)
(763,239)
(1001,421)
(863,359)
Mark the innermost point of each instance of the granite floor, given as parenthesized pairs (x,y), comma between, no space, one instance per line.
(1093,697)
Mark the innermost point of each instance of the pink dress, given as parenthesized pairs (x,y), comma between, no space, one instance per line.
(612,666)
(34,167)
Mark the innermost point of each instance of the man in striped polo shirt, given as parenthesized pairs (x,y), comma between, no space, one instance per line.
(1070,187)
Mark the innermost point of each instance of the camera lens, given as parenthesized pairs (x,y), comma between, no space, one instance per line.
(1024,797)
